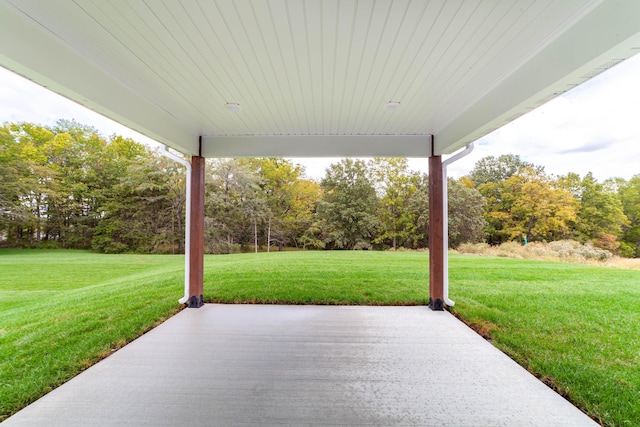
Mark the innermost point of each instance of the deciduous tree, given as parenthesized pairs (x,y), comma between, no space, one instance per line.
(466,222)
(528,204)
(234,204)
(498,169)
(347,211)
(396,185)
(600,215)
(629,193)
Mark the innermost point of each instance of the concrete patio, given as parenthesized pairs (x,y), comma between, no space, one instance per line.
(231,365)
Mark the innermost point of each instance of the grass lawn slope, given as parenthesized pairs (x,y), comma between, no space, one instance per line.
(577,327)
(61,311)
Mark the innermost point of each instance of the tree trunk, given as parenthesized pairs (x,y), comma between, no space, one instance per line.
(38,229)
(255,234)
(269,236)
(173,234)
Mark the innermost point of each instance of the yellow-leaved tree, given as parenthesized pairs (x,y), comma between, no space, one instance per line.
(528,204)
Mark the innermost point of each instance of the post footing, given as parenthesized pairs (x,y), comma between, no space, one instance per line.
(437,305)
(196,302)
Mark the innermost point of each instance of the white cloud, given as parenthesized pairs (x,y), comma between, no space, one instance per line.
(24,101)
(594,127)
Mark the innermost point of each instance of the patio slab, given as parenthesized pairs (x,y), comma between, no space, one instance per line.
(235,365)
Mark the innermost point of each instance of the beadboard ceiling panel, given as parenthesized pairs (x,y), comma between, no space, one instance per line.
(315,73)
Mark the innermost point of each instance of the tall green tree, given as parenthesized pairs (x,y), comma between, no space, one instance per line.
(290,199)
(55,181)
(497,169)
(629,193)
(396,185)
(37,181)
(419,206)
(466,208)
(81,158)
(12,166)
(347,211)
(528,204)
(600,216)
(234,204)
(144,209)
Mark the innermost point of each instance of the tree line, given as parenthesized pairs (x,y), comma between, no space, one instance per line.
(67,186)
(522,201)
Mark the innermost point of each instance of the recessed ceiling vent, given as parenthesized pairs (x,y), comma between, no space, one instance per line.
(391,105)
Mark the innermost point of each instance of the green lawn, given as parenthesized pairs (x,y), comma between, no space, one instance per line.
(578,327)
(319,277)
(61,311)
(575,326)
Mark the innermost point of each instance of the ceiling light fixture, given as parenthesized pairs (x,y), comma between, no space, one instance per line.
(391,105)
(232,106)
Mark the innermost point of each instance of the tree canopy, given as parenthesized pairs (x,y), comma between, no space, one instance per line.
(67,186)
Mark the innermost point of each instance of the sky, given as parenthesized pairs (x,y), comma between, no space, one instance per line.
(592,128)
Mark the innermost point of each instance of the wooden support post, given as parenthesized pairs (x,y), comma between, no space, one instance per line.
(436,235)
(196,263)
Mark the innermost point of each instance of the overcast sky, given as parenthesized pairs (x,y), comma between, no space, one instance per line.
(595,127)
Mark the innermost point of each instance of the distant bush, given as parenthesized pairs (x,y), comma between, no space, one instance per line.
(402,249)
(363,246)
(220,248)
(473,248)
(562,249)
(115,248)
(576,250)
(511,250)
(628,250)
(606,241)
(48,244)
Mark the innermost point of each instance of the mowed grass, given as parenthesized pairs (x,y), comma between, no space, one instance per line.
(61,311)
(575,326)
(319,277)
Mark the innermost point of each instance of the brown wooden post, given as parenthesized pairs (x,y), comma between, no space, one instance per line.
(196,263)
(436,237)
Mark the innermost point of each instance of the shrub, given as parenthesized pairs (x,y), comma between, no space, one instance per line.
(606,241)
(473,248)
(362,246)
(627,250)
(510,250)
(573,249)
(220,248)
(112,247)
(48,244)
(561,249)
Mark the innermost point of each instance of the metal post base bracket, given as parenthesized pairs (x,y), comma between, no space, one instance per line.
(196,302)
(437,305)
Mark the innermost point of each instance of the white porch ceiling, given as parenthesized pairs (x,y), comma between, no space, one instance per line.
(312,76)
